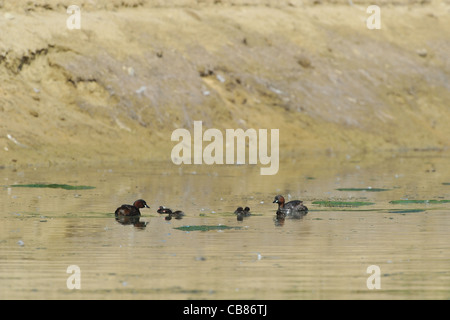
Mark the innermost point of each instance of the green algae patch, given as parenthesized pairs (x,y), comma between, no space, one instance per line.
(343,203)
(205,228)
(419,201)
(407,211)
(446,183)
(363,189)
(52,186)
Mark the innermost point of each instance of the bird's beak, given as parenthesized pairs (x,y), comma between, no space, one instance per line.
(147,206)
(275,201)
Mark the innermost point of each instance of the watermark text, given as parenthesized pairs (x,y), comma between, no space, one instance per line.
(74,280)
(374,281)
(235,140)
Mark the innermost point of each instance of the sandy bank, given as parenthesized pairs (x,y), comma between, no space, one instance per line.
(137,70)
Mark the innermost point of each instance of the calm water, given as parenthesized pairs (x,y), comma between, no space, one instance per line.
(325,255)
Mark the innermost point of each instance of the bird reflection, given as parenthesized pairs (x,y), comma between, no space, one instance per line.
(281,217)
(131,220)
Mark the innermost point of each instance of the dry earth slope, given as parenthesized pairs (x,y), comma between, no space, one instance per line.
(137,70)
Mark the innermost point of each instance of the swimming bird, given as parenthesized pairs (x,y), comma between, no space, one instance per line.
(163,210)
(131,210)
(242,212)
(292,208)
(178,214)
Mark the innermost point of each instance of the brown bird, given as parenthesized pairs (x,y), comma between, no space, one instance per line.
(131,210)
(291,208)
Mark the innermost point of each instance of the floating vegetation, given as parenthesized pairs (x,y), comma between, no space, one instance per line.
(407,211)
(342,203)
(52,186)
(363,189)
(446,183)
(419,201)
(206,228)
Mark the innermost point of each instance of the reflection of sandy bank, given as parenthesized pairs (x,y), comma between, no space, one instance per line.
(117,88)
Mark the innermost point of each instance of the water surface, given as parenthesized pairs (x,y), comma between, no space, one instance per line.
(325,255)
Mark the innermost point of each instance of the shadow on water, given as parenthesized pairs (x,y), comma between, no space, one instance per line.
(323,254)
